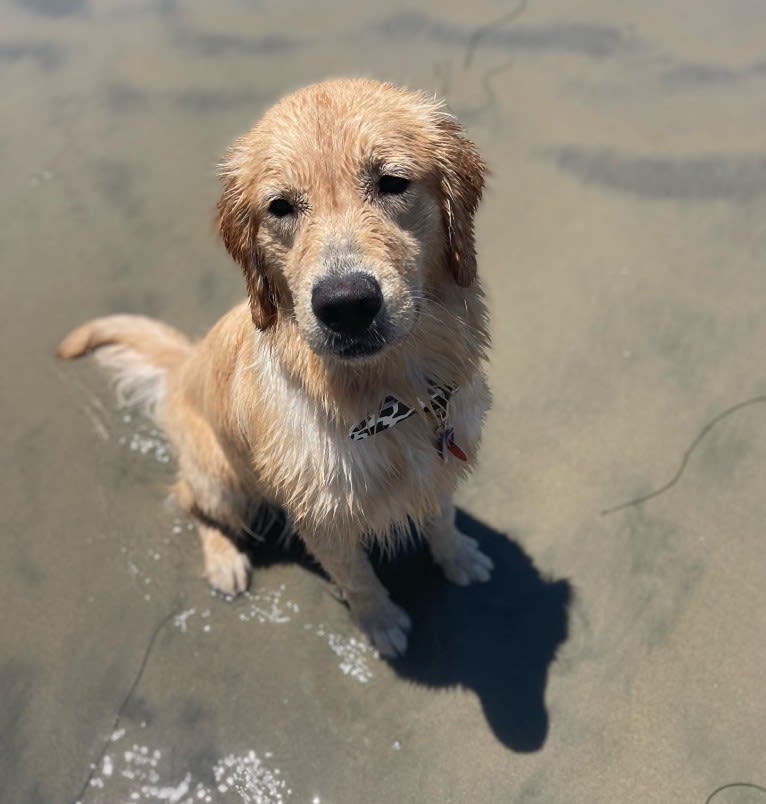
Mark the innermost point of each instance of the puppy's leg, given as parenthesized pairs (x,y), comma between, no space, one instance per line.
(457,554)
(385,624)
(226,568)
(209,490)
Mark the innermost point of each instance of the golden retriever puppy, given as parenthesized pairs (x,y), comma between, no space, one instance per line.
(349,389)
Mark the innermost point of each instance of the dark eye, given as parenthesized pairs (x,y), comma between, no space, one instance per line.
(393,185)
(280,207)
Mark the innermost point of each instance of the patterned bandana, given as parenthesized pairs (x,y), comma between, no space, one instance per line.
(392,411)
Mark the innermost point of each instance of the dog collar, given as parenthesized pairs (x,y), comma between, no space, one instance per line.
(393,410)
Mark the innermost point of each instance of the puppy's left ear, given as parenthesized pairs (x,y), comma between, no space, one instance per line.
(461,184)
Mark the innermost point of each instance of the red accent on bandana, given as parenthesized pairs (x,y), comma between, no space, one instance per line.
(456,451)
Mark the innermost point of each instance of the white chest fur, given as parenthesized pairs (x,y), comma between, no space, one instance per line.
(327,481)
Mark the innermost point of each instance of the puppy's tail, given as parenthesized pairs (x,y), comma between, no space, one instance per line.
(137,350)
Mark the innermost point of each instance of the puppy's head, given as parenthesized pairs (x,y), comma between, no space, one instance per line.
(342,203)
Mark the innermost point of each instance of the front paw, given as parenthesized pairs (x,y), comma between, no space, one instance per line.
(465,563)
(227,570)
(385,624)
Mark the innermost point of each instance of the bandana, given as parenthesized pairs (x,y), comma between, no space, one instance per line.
(393,410)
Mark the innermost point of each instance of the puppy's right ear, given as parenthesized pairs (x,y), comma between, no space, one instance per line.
(238,226)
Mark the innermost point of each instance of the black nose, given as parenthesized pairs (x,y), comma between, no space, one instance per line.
(347,304)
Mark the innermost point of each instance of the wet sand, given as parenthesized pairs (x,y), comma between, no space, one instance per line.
(614,657)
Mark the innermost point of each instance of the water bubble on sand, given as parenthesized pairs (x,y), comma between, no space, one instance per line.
(181,620)
(354,653)
(147,440)
(268,606)
(141,768)
(251,779)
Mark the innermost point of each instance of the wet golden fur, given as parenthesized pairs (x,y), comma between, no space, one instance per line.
(260,409)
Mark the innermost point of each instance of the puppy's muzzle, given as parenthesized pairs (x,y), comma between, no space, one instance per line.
(347,304)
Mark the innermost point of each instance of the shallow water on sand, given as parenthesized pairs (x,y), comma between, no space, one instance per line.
(614,657)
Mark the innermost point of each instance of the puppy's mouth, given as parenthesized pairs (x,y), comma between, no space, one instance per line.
(366,343)
(350,347)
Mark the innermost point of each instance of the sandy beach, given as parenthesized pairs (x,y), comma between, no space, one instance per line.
(618,653)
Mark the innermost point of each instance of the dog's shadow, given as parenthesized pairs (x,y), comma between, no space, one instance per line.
(497,638)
